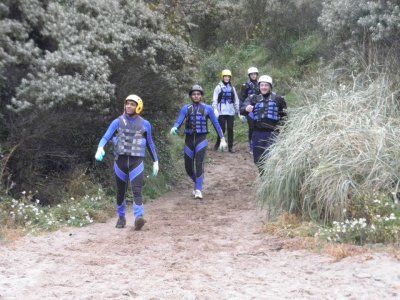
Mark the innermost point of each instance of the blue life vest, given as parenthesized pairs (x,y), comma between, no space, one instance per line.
(196,119)
(226,95)
(130,138)
(252,88)
(266,110)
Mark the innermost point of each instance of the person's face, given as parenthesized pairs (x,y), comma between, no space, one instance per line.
(196,96)
(130,107)
(253,76)
(227,78)
(265,88)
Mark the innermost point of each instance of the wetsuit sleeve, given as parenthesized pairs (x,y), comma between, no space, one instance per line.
(236,101)
(217,90)
(243,93)
(149,141)
(248,101)
(214,120)
(282,109)
(182,116)
(109,133)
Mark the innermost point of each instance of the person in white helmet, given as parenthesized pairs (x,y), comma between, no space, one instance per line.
(133,136)
(250,89)
(269,110)
(226,105)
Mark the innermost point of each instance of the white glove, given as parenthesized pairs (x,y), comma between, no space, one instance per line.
(155,168)
(100,154)
(174,131)
(216,112)
(242,118)
(223,145)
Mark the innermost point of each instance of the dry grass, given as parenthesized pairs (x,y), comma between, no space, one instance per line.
(298,235)
(10,234)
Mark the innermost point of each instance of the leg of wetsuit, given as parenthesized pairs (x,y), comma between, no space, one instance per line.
(200,152)
(189,156)
(121,175)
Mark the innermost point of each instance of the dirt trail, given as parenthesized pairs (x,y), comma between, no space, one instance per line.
(190,249)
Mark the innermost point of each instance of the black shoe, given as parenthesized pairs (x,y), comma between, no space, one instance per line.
(231,151)
(121,222)
(216,146)
(139,222)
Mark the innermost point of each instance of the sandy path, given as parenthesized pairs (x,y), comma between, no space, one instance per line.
(190,249)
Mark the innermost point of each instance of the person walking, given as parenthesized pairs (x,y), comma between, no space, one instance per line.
(196,115)
(269,110)
(131,135)
(249,89)
(226,105)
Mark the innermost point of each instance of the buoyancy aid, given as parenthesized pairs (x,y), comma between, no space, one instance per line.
(196,119)
(130,138)
(266,109)
(226,95)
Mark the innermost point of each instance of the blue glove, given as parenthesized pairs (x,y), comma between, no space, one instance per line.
(155,168)
(100,154)
(174,131)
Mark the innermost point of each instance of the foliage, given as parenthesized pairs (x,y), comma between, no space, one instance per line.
(65,68)
(34,217)
(345,141)
(370,27)
(372,219)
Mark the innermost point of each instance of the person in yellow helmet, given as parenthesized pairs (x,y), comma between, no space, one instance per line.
(226,105)
(131,135)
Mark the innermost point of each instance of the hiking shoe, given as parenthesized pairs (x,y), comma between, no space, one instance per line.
(121,222)
(139,222)
(198,194)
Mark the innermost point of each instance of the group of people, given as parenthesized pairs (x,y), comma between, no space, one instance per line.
(131,134)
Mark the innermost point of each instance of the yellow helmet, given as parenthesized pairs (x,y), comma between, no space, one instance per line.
(138,100)
(226,72)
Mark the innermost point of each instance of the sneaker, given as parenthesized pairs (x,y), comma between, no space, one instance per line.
(121,222)
(194,193)
(139,222)
(198,194)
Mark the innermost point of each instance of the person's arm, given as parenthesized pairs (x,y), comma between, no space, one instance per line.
(250,101)
(217,90)
(214,121)
(236,101)
(149,141)
(100,153)
(243,93)
(109,133)
(181,117)
(282,110)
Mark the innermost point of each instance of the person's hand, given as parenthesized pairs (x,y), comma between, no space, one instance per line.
(155,168)
(242,118)
(100,154)
(223,145)
(249,108)
(216,112)
(174,131)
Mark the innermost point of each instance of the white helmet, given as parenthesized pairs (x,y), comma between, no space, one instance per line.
(265,78)
(252,70)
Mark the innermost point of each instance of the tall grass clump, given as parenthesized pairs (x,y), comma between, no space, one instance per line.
(338,147)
